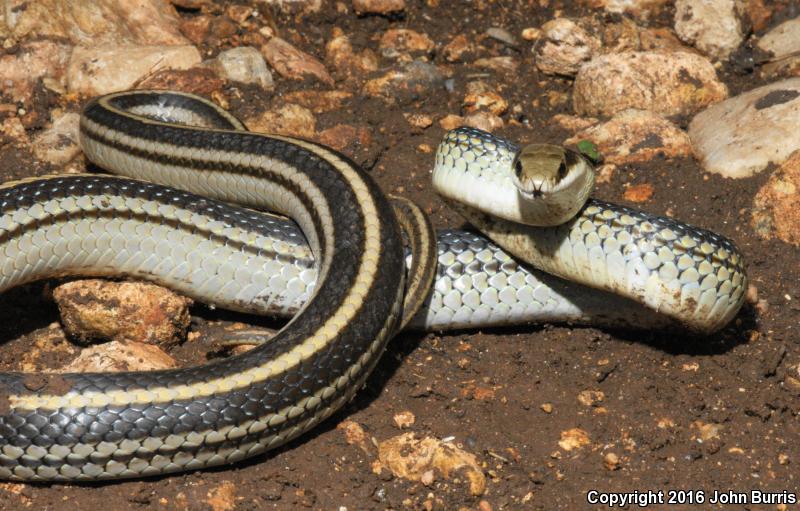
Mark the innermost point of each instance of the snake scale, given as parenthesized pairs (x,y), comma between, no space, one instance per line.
(339,269)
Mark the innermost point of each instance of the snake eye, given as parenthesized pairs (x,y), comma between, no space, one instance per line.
(518,168)
(562,170)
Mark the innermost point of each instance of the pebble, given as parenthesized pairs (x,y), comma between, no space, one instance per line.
(58,144)
(96,309)
(741,136)
(502,35)
(292,63)
(318,101)
(591,397)
(116,356)
(244,64)
(346,138)
(410,82)
(99,23)
(480,98)
(457,48)
(639,193)
(611,461)
(564,46)
(776,206)
(503,64)
(339,54)
(94,70)
(531,33)
(395,42)
(635,136)
(288,119)
(384,7)
(404,419)
(669,83)
(34,60)
(410,458)
(481,120)
(196,80)
(782,43)
(712,26)
(642,9)
(574,438)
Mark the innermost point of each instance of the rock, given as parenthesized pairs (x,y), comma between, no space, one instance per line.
(639,193)
(531,33)
(480,97)
(289,119)
(222,497)
(197,28)
(776,207)
(712,26)
(295,6)
(404,419)
(384,7)
(503,64)
(410,458)
(292,63)
(318,101)
(346,138)
(340,55)
(573,123)
(782,43)
(395,42)
(502,35)
(97,23)
(116,356)
(122,311)
(674,83)
(635,136)
(563,47)
(410,82)
(455,50)
(574,438)
(13,131)
(244,64)
(591,397)
(59,143)
(420,121)
(739,137)
(99,70)
(197,80)
(642,9)
(32,61)
(611,461)
(481,120)
(354,434)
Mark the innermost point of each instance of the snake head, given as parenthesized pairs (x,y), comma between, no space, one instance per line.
(544,169)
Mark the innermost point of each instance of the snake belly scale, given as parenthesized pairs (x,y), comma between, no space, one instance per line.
(101,426)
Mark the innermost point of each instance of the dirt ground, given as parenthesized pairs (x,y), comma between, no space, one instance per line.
(678,412)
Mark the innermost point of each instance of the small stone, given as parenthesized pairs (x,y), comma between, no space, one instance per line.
(411,82)
(591,397)
(404,419)
(427,478)
(398,41)
(707,431)
(197,80)
(564,47)
(93,71)
(782,44)
(410,458)
(116,356)
(455,50)
(502,35)
(122,311)
(573,123)
(502,64)
(611,461)
(741,136)
(484,506)
(383,7)
(239,13)
(639,193)
(485,100)
(776,207)
(289,119)
(340,55)
(641,9)
(420,121)
(292,63)
(605,173)
(354,434)
(574,438)
(712,26)
(196,28)
(32,61)
(318,101)
(13,128)
(531,33)
(676,83)
(346,138)
(244,64)
(59,143)
(547,407)
(636,136)
(222,497)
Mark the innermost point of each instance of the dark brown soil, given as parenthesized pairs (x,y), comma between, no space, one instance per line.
(486,389)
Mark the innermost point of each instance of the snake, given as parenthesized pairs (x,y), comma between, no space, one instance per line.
(338,267)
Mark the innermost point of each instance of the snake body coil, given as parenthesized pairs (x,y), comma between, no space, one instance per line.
(100,426)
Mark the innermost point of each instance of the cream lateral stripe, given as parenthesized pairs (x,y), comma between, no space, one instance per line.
(316,342)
